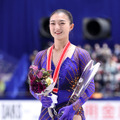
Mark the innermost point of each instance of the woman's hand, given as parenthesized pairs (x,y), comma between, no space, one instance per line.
(68,113)
(46,101)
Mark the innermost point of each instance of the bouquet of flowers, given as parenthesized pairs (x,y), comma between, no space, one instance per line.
(40,80)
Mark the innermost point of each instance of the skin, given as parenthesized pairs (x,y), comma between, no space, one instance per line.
(60,28)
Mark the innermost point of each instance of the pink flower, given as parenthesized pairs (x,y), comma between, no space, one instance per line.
(39,74)
(32,72)
(34,67)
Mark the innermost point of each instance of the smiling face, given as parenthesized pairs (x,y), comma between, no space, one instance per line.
(60,26)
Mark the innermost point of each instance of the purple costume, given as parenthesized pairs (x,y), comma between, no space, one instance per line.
(70,72)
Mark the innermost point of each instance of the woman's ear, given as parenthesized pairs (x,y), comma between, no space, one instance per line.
(71,26)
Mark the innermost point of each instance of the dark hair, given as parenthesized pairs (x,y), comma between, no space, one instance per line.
(65,12)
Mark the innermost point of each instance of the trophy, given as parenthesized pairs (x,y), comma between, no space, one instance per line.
(87,75)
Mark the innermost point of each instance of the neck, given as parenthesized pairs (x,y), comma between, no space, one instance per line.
(59,45)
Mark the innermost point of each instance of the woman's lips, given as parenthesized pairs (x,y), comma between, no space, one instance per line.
(58,33)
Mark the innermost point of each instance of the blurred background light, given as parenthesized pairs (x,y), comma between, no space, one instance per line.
(44,27)
(96,28)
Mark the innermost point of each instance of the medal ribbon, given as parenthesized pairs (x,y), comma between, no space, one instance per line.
(56,72)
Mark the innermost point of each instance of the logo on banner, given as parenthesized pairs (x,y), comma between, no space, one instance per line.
(11,111)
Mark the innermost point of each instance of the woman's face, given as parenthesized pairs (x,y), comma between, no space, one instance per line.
(60,26)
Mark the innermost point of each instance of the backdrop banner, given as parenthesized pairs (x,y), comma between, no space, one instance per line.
(30,109)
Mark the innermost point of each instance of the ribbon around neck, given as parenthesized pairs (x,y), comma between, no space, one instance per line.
(56,72)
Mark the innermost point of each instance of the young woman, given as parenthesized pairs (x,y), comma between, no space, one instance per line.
(69,60)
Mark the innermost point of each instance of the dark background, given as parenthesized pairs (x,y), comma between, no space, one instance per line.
(20,22)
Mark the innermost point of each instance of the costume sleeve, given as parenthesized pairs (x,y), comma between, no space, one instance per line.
(35,95)
(84,59)
(85,96)
(38,58)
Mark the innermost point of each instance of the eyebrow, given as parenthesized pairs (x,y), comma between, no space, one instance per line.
(59,20)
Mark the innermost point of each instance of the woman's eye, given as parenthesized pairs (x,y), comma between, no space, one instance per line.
(52,23)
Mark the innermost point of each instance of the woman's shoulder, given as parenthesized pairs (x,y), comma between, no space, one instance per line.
(42,52)
(83,55)
(81,50)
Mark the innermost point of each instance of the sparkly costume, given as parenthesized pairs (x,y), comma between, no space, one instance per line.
(69,74)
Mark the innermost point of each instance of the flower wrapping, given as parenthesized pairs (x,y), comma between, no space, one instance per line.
(40,80)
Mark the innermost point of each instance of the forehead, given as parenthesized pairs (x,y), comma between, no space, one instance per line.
(59,16)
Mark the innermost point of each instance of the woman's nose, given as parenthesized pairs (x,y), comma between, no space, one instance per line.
(57,26)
